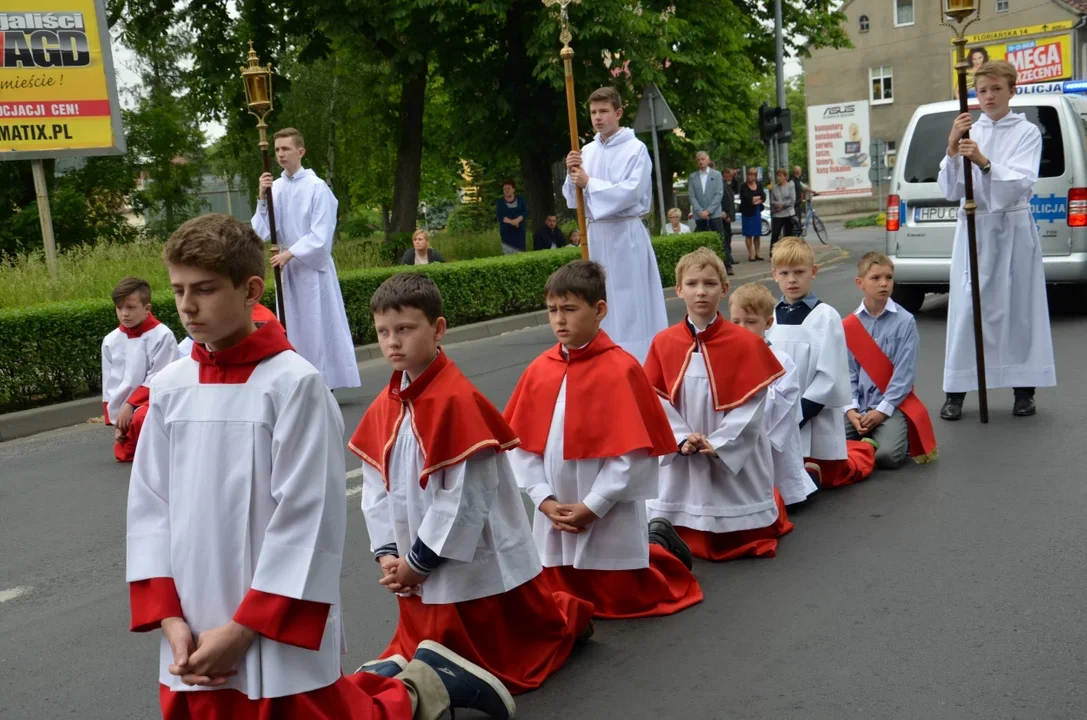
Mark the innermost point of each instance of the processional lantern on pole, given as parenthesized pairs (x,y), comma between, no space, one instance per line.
(958,15)
(567,55)
(257,81)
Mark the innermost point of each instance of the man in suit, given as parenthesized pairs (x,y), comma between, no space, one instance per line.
(728,215)
(706,189)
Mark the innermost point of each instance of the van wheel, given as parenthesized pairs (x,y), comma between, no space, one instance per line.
(911,297)
(765,228)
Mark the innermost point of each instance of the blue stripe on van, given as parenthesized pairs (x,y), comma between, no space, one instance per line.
(1049,209)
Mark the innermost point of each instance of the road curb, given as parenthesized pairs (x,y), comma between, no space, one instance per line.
(77,412)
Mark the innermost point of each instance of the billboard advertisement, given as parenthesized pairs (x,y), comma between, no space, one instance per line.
(838,139)
(58,95)
(1040,53)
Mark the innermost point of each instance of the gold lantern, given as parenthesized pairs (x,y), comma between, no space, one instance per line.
(257,81)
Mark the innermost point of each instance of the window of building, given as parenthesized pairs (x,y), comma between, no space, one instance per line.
(1002,5)
(903,12)
(880,81)
(864,22)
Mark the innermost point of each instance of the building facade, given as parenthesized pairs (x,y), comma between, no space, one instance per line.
(902,58)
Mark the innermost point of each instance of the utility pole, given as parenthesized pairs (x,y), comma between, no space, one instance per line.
(779,57)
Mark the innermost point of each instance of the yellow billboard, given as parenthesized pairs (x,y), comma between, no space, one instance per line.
(58,95)
(1037,58)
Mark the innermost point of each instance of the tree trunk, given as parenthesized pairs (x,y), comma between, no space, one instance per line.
(538,191)
(331,173)
(409,150)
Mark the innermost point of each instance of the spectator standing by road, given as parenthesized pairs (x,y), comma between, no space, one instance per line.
(782,207)
(799,187)
(706,188)
(548,236)
(728,214)
(752,199)
(511,212)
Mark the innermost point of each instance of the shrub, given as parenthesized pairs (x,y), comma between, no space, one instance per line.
(51,353)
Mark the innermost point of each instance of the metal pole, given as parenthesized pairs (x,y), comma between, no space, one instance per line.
(656,156)
(972,237)
(779,59)
(41,189)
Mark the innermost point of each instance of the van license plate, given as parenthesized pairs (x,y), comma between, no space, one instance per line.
(935,214)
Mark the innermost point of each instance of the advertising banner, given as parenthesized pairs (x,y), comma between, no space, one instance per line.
(1038,54)
(58,95)
(838,140)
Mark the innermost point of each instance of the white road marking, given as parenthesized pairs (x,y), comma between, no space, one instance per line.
(354,473)
(6,595)
(357,489)
(353,491)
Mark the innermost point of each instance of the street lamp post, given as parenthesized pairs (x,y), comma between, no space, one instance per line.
(567,55)
(257,81)
(956,15)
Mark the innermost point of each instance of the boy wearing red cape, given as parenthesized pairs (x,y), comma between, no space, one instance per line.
(444,512)
(713,380)
(245,428)
(883,345)
(592,430)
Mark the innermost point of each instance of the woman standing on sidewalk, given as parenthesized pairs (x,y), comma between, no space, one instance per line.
(752,198)
(782,207)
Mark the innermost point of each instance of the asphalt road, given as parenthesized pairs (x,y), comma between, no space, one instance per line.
(952,590)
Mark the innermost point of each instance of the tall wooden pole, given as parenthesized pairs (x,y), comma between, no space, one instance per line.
(567,55)
(45,217)
(281,306)
(970,207)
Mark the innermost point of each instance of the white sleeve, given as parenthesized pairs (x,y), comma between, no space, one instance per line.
(680,429)
(607,199)
(260,220)
(161,351)
(147,538)
(315,247)
(463,495)
(830,385)
(303,546)
(1012,176)
(626,478)
(782,399)
(375,509)
(735,436)
(107,368)
(528,468)
(569,191)
(951,181)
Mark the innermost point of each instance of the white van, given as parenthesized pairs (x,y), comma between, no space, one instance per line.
(921,223)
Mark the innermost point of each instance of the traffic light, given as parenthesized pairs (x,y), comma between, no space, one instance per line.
(769,122)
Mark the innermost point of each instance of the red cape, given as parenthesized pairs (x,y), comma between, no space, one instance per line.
(450,418)
(870,356)
(611,409)
(149,323)
(738,361)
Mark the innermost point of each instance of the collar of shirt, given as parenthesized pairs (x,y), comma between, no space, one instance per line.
(149,323)
(891,307)
(695,330)
(301,173)
(810,300)
(268,340)
(566,351)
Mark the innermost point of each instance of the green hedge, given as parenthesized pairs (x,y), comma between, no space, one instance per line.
(51,353)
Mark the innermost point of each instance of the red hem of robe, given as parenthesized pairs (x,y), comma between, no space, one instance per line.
(362,696)
(663,588)
(859,464)
(105,413)
(522,636)
(286,620)
(125,448)
(151,601)
(758,542)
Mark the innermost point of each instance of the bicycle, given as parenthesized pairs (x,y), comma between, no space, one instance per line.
(814,221)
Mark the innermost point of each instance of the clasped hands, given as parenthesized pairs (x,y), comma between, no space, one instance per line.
(865,423)
(398,577)
(212,657)
(960,143)
(697,443)
(567,518)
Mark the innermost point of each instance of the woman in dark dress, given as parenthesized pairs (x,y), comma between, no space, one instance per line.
(752,200)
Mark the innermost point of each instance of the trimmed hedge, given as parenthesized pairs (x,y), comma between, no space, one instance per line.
(52,353)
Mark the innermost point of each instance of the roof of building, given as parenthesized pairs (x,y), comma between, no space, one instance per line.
(1079,6)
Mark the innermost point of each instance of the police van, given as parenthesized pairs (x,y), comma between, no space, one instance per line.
(921,222)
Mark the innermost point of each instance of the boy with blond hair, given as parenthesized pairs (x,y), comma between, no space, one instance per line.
(713,379)
(1006,151)
(751,306)
(444,512)
(592,430)
(810,332)
(883,345)
(237,515)
(132,354)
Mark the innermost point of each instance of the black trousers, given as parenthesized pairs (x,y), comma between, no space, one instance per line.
(716,224)
(779,227)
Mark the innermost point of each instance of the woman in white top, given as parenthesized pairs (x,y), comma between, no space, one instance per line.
(674,226)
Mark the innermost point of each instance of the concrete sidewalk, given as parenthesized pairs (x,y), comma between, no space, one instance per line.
(52,417)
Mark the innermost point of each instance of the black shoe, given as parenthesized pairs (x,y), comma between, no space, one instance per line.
(470,687)
(586,634)
(729,270)
(389,667)
(661,532)
(952,409)
(1024,403)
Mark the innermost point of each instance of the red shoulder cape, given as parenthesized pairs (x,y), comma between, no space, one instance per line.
(870,356)
(611,409)
(739,362)
(450,418)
